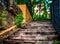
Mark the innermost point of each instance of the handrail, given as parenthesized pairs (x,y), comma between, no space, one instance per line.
(7,30)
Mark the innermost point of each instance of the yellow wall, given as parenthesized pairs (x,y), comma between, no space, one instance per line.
(26,13)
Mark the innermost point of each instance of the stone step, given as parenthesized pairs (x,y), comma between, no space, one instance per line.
(34,37)
(37,24)
(35,31)
(39,27)
(30,42)
(41,22)
(45,42)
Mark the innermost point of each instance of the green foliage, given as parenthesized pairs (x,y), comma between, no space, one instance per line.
(38,17)
(3,13)
(3,19)
(18,19)
(19,1)
(2,16)
(56,42)
(0,27)
(35,17)
(35,2)
(44,16)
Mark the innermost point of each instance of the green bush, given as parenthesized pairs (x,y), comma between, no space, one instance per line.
(18,19)
(44,16)
(35,17)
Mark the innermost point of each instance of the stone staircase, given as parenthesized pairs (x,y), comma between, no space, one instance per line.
(35,31)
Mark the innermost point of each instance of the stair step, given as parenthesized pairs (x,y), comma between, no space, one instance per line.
(34,37)
(36,31)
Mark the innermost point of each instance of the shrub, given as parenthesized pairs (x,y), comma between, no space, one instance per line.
(18,19)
